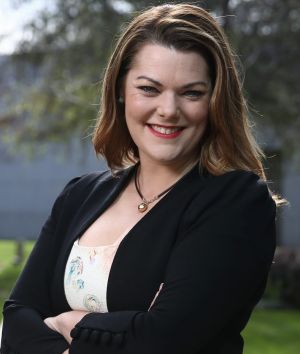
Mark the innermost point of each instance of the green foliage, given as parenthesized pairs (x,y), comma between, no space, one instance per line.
(70,44)
(273,332)
(8,277)
(8,272)
(266,34)
(269,331)
(8,251)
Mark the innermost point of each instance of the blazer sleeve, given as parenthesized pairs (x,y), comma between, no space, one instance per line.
(23,328)
(218,267)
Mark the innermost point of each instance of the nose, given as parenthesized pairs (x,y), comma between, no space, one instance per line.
(168,106)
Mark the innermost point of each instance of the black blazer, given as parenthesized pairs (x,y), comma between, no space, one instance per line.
(210,240)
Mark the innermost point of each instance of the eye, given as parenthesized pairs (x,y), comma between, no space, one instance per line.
(150,90)
(194,94)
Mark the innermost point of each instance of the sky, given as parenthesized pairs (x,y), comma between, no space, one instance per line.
(13,18)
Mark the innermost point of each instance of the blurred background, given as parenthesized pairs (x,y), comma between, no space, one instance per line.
(52,56)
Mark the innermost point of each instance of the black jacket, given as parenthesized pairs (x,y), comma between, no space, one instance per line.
(210,240)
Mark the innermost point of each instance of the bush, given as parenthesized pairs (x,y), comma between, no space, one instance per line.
(8,277)
(8,271)
(284,279)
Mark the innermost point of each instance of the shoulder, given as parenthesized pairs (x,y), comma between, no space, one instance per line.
(236,178)
(236,187)
(83,183)
(237,198)
(89,182)
(235,206)
(80,188)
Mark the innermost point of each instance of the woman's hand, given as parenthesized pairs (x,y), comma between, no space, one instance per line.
(64,323)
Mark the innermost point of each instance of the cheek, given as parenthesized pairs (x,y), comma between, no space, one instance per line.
(134,118)
(135,106)
(137,109)
(131,110)
(199,116)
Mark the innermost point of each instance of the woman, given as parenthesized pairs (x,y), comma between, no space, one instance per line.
(169,251)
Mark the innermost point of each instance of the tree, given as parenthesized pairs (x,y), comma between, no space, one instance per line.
(267,33)
(70,45)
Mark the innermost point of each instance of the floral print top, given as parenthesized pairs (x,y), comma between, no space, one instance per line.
(86,276)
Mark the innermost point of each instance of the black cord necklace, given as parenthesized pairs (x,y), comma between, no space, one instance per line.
(143,206)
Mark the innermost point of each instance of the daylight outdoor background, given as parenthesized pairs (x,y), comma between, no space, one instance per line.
(52,56)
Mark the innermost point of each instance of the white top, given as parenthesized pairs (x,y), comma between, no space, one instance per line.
(86,276)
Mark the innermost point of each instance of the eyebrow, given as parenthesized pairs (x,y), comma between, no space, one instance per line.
(202,83)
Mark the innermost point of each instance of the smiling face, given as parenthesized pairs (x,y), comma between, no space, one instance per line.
(167,94)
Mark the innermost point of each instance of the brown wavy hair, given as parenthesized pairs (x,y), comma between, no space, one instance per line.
(228,143)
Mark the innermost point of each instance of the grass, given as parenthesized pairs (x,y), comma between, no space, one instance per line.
(9,272)
(273,331)
(269,331)
(8,250)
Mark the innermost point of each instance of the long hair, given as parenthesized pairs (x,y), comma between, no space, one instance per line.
(228,143)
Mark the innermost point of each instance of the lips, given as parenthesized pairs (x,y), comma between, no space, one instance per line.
(168,132)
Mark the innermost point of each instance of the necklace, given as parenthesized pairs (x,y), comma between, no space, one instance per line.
(143,206)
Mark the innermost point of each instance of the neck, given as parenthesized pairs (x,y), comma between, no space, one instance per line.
(154,178)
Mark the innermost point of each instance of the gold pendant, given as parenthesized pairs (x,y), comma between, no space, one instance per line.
(142,207)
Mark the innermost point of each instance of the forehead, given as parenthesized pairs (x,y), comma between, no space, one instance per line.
(163,62)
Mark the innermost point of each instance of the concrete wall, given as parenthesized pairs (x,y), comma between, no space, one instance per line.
(29,188)
(290,215)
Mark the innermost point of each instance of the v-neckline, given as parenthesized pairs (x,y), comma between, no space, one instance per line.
(122,184)
(153,209)
(124,179)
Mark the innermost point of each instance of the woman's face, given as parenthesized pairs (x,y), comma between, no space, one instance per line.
(166,94)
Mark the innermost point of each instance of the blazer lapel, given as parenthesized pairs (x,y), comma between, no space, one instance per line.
(95,201)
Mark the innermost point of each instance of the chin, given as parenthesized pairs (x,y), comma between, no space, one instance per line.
(167,159)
